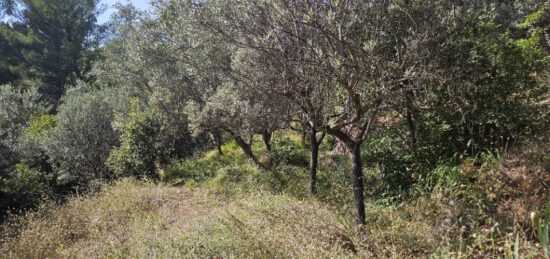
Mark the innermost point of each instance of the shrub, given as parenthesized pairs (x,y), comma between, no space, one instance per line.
(23,187)
(79,144)
(287,151)
(20,185)
(333,181)
(490,102)
(31,146)
(148,143)
(393,160)
(18,105)
(204,167)
(40,124)
(138,152)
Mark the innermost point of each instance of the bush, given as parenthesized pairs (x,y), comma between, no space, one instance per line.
(23,187)
(40,124)
(18,105)
(490,103)
(196,170)
(148,143)
(138,152)
(79,144)
(334,180)
(393,160)
(20,185)
(31,146)
(287,151)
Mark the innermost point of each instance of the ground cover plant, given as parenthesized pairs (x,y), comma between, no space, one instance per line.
(274,129)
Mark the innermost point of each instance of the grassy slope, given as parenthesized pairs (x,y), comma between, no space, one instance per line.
(223,206)
(132,219)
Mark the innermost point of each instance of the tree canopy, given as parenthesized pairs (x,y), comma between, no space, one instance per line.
(444,80)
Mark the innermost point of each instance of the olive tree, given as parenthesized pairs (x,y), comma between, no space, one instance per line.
(149,61)
(332,53)
(20,185)
(286,71)
(18,105)
(205,75)
(79,145)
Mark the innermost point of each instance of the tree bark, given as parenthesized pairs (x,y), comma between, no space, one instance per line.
(218,139)
(313,162)
(358,183)
(247,149)
(412,129)
(266,137)
(219,146)
(411,117)
(304,135)
(354,148)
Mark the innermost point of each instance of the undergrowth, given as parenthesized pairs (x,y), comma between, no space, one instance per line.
(224,206)
(141,220)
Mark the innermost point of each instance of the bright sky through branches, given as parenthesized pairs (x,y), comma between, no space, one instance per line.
(140,4)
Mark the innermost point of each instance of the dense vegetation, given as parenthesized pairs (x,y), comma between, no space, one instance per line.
(275,129)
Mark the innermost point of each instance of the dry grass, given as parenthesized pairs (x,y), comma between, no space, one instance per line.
(142,220)
(138,220)
(232,211)
(526,177)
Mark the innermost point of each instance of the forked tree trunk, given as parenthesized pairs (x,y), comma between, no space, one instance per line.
(247,149)
(354,148)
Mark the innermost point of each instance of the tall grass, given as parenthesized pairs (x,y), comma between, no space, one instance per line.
(224,206)
(140,220)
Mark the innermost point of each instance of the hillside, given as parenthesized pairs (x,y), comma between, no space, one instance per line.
(138,220)
(275,129)
(236,209)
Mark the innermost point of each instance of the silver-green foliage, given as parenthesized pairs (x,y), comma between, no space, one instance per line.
(18,105)
(80,143)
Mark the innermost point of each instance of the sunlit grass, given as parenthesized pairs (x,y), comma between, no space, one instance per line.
(225,206)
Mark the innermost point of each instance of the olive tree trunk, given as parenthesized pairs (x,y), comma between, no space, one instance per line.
(358,182)
(313,162)
(354,148)
(247,148)
(314,159)
(266,137)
